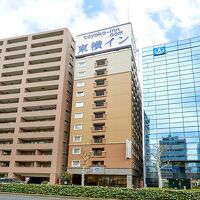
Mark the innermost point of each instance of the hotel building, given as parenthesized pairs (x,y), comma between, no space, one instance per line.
(171,80)
(36,79)
(106,121)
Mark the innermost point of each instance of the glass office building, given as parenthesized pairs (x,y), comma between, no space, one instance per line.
(171,82)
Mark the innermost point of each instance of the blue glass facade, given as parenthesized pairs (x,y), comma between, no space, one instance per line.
(171,88)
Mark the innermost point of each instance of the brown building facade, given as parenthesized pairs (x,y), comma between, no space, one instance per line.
(106,121)
(35,101)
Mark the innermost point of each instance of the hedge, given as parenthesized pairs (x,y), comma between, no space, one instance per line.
(102,192)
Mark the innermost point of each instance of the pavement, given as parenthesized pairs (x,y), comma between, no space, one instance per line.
(34,197)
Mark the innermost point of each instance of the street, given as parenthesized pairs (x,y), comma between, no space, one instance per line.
(29,197)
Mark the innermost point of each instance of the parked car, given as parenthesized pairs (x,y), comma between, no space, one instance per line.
(10,180)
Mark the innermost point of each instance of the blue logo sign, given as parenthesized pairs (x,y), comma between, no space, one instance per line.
(159,51)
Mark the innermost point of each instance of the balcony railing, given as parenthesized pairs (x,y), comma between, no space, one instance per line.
(101,116)
(98,129)
(100,94)
(100,105)
(98,154)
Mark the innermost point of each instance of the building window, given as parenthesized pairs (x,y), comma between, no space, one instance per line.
(78,127)
(77,138)
(75,163)
(82,64)
(80,84)
(76,151)
(81,74)
(78,115)
(98,163)
(80,94)
(79,104)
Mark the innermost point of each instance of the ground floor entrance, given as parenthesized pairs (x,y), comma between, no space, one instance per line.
(105,180)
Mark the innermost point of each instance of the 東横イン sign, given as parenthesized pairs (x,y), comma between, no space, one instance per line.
(115,37)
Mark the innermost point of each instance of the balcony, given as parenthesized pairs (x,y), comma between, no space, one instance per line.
(43,73)
(14,56)
(7,108)
(39,101)
(13,65)
(100,73)
(101,63)
(39,110)
(5,153)
(18,49)
(9,119)
(99,116)
(17,40)
(97,163)
(100,104)
(51,43)
(100,83)
(44,118)
(12,71)
(100,93)
(98,128)
(26,153)
(6,131)
(4,164)
(44,87)
(49,36)
(24,164)
(43,164)
(11,82)
(98,139)
(6,141)
(51,50)
(10,91)
(37,130)
(98,153)
(45,60)
(35,141)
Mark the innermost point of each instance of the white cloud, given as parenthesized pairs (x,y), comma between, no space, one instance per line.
(25,16)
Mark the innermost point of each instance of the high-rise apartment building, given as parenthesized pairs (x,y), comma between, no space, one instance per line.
(171,80)
(106,121)
(35,101)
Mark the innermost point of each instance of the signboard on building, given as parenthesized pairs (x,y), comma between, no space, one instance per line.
(98,170)
(159,51)
(115,37)
(128,149)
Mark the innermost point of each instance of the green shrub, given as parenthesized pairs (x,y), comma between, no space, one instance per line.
(103,192)
(44,182)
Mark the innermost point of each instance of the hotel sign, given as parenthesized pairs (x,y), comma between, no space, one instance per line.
(115,37)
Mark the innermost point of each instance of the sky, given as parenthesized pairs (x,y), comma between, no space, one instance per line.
(153,21)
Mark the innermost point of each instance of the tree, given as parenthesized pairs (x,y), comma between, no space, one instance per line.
(66,177)
(159,150)
(86,156)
